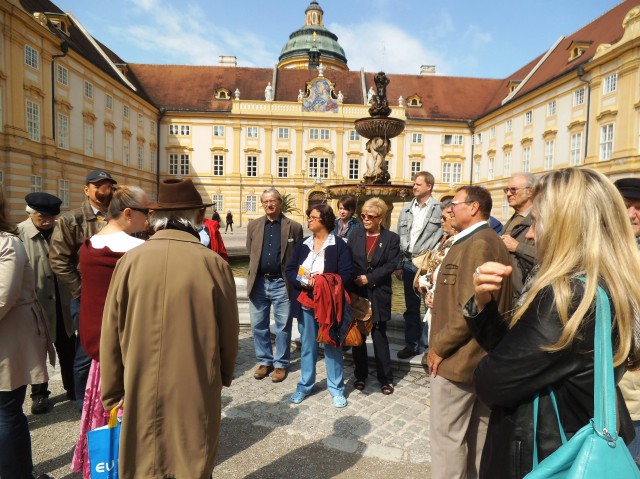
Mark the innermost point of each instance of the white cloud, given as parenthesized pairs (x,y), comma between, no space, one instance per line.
(378,46)
(476,37)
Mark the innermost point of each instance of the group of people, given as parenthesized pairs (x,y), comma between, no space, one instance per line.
(508,316)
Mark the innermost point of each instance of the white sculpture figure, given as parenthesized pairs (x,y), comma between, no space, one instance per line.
(237,94)
(340,97)
(378,149)
(300,95)
(321,70)
(370,94)
(268,92)
(401,101)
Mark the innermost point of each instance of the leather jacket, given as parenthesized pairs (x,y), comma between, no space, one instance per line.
(73,227)
(517,368)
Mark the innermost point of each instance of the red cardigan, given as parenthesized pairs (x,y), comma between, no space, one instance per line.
(96,266)
(217,245)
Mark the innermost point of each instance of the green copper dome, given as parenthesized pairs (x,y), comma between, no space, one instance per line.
(303,40)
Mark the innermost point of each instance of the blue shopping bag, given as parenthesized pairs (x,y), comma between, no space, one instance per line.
(104,447)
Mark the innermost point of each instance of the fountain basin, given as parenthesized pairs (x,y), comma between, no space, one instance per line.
(379,127)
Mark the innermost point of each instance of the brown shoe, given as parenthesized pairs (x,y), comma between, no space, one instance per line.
(262,371)
(279,375)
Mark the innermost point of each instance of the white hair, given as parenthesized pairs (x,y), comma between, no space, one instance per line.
(30,210)
(159,219)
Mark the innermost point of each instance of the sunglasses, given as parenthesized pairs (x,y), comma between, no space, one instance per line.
(366,217)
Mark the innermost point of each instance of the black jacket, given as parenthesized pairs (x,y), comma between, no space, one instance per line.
(517,368)
(384,260)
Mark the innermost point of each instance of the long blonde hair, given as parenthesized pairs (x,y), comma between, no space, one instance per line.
(582,229)
(5,225)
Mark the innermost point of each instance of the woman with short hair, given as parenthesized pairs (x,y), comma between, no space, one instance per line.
(346,223)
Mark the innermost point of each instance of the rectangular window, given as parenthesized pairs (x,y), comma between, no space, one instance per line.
(578,97)
(182,130)
(549,151)
(324,134)
(63,192)
(479,139)
(185,130)
(62,75)
(140,157)
(251,204)
(354,135)
(476,171)
(108,102)
(252,132)
(416,138)
(173,163)
(505,208)
(140,120)
(506,167)
(452,139)
(354,168)
(551,108)
(63,131)
(173,129)
(313,133)
(218,130)
(178,164)
(610,83)
(526,159)
(283,167)
(36,183)
(457,172)
(218,202)
(88,139)
(283,133)
(606,141)
(252,166)
(575,157)
(528,117)
(508,127)
(318,167)
(490,171)
(153,158)
(88,89)
(492,133)
(33,120)
(31,57)
(126,152)
(446,173)
(218,165)
(108,146)
(125,111)
(416,167)
(184,164)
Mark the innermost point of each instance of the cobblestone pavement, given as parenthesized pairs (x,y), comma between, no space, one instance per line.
(265,436)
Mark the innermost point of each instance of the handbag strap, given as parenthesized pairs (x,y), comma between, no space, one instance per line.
(604,421)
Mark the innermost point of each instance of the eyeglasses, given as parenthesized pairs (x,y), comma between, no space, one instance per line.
(456,203)
(313,218)
(513,190)
(270,202)
(366,217)
(144,211)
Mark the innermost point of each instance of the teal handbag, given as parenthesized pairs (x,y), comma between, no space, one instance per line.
(596,450)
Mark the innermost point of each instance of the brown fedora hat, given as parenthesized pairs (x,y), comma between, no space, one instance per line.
(178,194)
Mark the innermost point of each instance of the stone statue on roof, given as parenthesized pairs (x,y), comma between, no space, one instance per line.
(268,92)
(370,94)
(320,69)
(237,94)
(400,101)
(340,97)
(300,95)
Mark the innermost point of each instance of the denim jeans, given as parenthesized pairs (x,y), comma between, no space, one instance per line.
(265,294)
(414,333)
(333,360)
(81,362)
(15,443)
(634,446)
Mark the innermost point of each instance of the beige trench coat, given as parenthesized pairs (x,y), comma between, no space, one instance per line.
(169,343)
(38,252)
(24,339)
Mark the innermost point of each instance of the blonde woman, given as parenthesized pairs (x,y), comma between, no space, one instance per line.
(583,239)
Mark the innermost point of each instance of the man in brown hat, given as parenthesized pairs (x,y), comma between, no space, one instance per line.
(171,323)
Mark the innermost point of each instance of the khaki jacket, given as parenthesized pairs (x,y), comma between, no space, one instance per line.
(24,335)
(38,252)
(450,336)
(169,343)
(291,234)
(72,228)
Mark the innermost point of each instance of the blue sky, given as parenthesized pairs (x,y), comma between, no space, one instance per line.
(461,37)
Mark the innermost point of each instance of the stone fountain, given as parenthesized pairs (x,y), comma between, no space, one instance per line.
(379,129)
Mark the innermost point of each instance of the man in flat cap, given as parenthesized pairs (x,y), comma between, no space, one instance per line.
(35,232)
(629,188)
(73,227)
(169,342)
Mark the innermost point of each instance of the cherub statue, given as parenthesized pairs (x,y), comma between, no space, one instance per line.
(376,169)
(340,97)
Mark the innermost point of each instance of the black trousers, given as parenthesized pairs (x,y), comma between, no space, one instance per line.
(66,349)
(381,353)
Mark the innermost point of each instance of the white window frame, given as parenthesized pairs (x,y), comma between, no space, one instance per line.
(218,202)
(492,133)
(318,167)
(251,203)
(140,120)
(446,173)
(479,138)
(36,183)
(610,83)
(324,134)
(283,133)
(476,171)
(528,117)
(452,140)
(314,133)
(63,192)
(185,164)
(575,154)
(506,164)
(354,135)
(218,131)
(153,158)
(174,159)
(526,159)
(33,120)
(578,97)
(505,207)
(252,132)
(125,111)
(416,138)
(89,135)
(508,126)
(126,152)
(140,156)
(108,101)
(88,89)
(354,168)
(549,154)
(283,167)
(217,165)
(63,131)
(108,145)
(491,168)
(457,172)
(606,141)
(31,57)
(62,75)
(552,108)
(252,166)
(416,167)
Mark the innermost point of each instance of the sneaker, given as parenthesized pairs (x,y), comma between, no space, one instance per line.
(339,401)
(40,405)
(262,371)
(407,353)
(279,375)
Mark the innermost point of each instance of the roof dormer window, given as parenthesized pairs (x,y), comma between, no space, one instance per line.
(577,49)
(414,101)
(513,84)
(223,94)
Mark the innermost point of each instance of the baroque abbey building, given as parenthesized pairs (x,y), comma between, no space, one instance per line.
(68,104)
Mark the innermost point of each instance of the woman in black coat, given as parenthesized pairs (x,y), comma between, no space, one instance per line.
(376,254)
(583,239)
